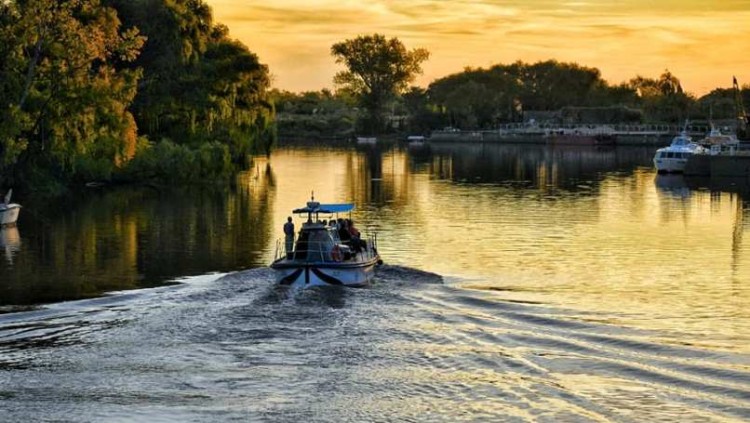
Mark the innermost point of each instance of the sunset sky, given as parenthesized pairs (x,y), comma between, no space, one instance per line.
(702,42)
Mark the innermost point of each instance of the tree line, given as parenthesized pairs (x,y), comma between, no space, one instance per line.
(132,90)
(379,70)
(95,90)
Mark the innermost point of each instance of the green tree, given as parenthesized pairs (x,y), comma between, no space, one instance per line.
(199,85)
(421,115)
(378,69)
(65,103)
(663,99)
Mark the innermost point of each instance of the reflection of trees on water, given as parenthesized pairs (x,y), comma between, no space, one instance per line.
(138,237)
(533,165)
(715,192)
(379,175)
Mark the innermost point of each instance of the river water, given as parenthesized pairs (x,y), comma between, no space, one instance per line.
(521,283)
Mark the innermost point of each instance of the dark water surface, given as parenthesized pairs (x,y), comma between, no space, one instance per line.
(521,284)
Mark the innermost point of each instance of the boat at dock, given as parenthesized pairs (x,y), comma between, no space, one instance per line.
(674,158)
(722,156)
(9,211)
(727,161)
(717,141)
(321,256)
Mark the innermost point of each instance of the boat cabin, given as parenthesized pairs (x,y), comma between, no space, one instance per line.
(318,240)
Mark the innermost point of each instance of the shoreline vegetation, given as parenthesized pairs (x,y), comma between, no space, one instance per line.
(154,91)
(481,99)
(125,91)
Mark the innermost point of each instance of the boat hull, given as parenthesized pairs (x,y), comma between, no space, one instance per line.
(671,165)
(306,274)
(9,214)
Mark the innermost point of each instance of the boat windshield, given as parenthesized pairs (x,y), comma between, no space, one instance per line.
(314,245)
(681,140)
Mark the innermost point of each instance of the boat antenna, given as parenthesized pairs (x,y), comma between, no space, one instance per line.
(7,196)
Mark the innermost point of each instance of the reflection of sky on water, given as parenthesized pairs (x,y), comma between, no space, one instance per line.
(587,229)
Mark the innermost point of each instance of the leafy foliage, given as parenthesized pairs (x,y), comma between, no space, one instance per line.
(80,80)
(198,85)
(168,162)
(66,100)
(314,114)
(378,69)
(479,98)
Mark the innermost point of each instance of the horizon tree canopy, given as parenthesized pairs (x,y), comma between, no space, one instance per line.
(378,69)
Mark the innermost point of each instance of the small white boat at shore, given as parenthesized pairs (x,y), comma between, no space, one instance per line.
(321,256)
(367,140)
(416,141)
(9,211)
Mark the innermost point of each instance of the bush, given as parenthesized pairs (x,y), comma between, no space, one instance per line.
(166,161)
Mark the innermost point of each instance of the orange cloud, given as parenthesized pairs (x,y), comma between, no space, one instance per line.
(703,43)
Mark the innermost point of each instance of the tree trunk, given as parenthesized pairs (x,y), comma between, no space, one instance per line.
(30,73)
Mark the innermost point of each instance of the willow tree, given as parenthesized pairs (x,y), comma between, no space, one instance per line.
(64,101)
(199,85)
(377,70)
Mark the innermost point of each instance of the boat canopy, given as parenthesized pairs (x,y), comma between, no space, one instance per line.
(325,208)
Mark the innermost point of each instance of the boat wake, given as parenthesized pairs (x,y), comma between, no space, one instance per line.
(400,275)
(409,347)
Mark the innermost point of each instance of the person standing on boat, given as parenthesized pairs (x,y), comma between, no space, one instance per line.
(289,236)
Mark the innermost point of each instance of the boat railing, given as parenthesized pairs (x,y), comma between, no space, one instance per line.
(326,251)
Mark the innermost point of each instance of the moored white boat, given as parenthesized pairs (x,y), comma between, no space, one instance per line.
(9,211)
(367,140)
(673,158)
(717,142)
(416,142)
(320,257)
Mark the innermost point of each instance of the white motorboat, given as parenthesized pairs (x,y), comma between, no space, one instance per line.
(9,211)
(673,158)
(415,142)
(321,256)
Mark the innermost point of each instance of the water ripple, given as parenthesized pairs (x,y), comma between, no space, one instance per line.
(410,348)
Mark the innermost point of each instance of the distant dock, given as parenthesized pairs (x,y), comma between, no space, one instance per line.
(539,134)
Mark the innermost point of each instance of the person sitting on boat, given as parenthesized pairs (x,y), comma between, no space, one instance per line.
(289,236)
(344,234)
(356,241)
